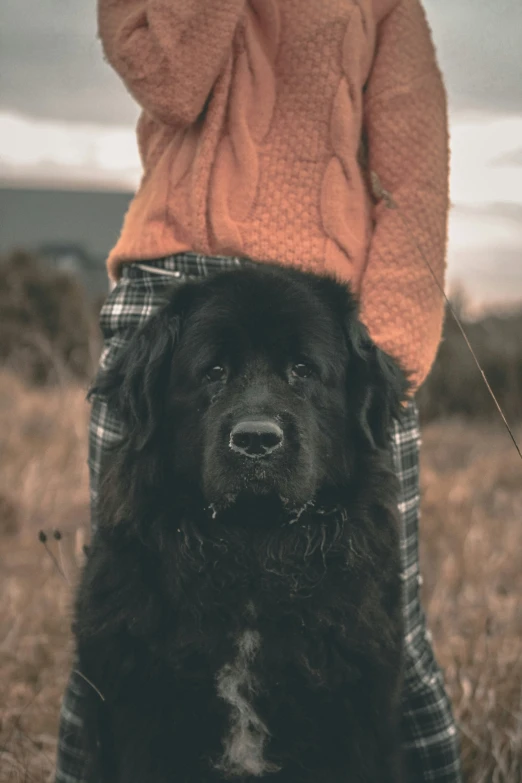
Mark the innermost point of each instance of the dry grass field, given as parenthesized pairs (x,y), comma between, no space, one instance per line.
(471,555)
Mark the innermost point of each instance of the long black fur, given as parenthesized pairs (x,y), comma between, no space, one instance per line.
(195,545)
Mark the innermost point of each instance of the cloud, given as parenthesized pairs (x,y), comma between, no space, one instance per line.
(52,66)
(477,141)
(509,159)
(491,276)
(47,151)
(51,63)
(478,44)
(485,252)
(65,118)
(501,209)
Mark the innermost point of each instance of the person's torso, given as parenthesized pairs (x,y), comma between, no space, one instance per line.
(272,168)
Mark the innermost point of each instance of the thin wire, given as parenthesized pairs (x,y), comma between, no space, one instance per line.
(383,195)
(93,686)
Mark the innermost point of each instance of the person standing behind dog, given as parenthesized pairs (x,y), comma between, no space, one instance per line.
(264,124)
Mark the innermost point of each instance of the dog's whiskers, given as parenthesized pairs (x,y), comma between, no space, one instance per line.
(300,511)
(323,543)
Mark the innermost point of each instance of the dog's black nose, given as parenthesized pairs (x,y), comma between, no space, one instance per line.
(256,437)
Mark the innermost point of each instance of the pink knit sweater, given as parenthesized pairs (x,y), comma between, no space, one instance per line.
(250,138)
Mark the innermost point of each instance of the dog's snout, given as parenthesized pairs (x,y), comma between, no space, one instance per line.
(256,437)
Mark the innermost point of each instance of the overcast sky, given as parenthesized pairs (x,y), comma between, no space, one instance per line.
(65,118)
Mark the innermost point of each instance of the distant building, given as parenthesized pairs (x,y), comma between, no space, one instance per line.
(74,230)
(73,259)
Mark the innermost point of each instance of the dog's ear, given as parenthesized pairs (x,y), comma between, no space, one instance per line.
(136,382)
(377,385)
(381,385)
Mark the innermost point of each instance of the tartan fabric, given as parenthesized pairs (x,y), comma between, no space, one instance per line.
(430,737)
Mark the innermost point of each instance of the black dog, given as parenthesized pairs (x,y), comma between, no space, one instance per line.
(239,612)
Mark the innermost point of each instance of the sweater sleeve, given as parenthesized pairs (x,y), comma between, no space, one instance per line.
(407,134)
(169,53)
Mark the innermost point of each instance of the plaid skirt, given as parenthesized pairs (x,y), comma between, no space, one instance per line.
(430,738)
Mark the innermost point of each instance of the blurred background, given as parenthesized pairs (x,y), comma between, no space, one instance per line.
(68,168)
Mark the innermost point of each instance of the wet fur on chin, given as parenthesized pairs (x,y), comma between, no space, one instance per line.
(229,642)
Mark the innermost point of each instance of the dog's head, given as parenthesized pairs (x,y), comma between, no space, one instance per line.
(258,381)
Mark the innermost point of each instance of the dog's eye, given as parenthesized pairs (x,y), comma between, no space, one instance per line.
(216,373)
(301,370)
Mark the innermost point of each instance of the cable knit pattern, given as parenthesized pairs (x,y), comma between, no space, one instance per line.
(250,137)
(344,202)
(407,127)
(235,178)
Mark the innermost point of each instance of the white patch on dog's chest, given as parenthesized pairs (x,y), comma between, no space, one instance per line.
(236,685)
